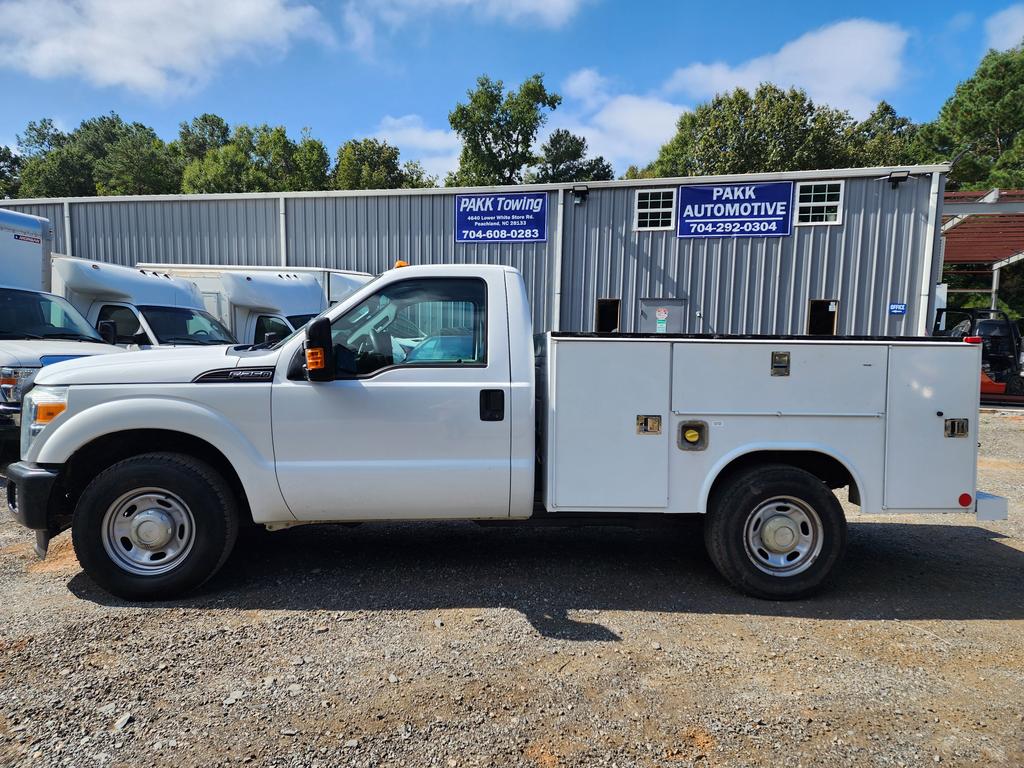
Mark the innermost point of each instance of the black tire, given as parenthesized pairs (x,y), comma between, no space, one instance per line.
(762,491)
(203,493)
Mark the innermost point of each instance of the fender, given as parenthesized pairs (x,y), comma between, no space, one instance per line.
(749,448)
(255,470)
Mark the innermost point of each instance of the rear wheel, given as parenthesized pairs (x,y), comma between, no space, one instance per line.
(154,526)
(775,532)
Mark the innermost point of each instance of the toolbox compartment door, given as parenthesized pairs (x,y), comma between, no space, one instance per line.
(600,457)
(925,469)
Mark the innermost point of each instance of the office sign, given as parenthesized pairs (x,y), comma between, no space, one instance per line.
(897,309)
(736,210)
(509,217)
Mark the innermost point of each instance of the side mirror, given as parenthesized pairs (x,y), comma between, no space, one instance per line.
(319,349)
(108,331)
(270,338)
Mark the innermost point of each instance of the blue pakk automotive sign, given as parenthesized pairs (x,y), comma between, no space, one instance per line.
(736,210)
(511,217)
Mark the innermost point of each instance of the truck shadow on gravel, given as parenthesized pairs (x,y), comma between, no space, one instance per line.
(892,571)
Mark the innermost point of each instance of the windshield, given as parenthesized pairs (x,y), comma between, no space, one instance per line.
(298,321)
(31,315)
(180,325)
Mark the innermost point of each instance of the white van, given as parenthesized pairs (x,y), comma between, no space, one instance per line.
(255,301)
(148,308)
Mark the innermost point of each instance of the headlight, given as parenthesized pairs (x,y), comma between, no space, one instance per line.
(41,406)
(15,382)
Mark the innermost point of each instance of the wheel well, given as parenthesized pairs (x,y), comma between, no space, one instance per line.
(826,468)
(92,458)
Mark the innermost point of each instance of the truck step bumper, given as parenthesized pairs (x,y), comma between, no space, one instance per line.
(988,506)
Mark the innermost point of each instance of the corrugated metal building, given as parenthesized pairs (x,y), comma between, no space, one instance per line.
(861,255)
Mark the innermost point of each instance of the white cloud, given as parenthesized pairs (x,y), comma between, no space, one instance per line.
(626,129)
(850,65)
(151,47)
(436,148)
(362,17)
(1005,29)
(588,86)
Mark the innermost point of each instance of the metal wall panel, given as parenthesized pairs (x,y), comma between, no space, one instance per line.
(754,284)
(731,285)
(369,233)
(52,211)
(178,231)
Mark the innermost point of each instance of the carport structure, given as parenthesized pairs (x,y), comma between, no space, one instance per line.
(982,234)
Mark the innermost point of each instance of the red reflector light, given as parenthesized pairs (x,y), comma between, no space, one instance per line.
(965,499)
(972,339)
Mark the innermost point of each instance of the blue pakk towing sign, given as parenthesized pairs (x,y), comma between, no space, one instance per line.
(510,217)
(736,210)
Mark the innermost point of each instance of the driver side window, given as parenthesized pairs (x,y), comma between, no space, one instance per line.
(425,322)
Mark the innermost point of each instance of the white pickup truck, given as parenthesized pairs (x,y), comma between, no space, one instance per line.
(154,460)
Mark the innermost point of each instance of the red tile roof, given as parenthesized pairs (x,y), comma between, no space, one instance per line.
(985,238)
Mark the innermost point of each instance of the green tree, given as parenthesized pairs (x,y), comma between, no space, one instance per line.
(312,164)
(769,130)
(367,164)
(39,138)
(203,133)
(984,116)
(884,138)
(563,157)
(138,163)
(65,171)
(498,130)
(10,172)
(415,176)
(225,169)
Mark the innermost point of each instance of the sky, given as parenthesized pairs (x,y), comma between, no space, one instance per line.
(395,68)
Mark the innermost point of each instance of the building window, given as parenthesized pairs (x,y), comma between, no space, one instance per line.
(655,209)
(819,202)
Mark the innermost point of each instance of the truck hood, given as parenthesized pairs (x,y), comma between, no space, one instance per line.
(32,353)
(152,366)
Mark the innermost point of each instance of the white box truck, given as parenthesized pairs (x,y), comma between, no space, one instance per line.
(36,327)
(153,460)
(255,301)
(146,308)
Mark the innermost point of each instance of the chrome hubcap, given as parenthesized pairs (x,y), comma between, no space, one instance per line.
(148,531)
(783,536)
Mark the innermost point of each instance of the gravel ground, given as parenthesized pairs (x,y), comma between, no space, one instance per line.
(455,645)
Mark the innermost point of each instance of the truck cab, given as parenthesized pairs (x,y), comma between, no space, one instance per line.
(424,396)
(36,327)
(148,308)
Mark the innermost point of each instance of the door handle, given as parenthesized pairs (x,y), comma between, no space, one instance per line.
(492,405)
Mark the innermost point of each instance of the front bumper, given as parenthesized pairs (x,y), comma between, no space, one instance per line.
(29,488)
(28,493)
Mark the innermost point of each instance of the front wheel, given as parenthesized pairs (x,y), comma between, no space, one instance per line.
(154,526)
(775,532)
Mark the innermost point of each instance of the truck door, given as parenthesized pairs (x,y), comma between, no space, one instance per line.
(420,429)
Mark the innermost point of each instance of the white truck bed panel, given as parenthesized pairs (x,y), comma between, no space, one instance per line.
(926,469)
(600,389)
(870,405)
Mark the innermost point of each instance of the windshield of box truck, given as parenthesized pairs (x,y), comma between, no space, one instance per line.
(32,315)
(180,325)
